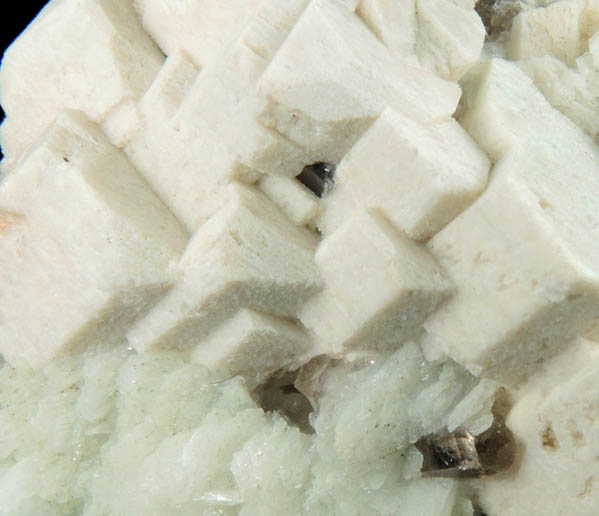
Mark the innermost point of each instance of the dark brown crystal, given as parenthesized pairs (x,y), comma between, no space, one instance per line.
(497,15)
(460,454)
(317,177)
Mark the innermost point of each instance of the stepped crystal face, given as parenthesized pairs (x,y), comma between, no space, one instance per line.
(301,257)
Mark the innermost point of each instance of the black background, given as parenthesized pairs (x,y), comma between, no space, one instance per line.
(14,21)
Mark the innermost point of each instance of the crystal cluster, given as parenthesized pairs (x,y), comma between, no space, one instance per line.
(326,257)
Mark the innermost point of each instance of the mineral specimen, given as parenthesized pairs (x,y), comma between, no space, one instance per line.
(301,257)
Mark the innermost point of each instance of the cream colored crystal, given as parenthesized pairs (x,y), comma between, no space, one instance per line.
(208,134)
(525,289)
(294,199)
(572,90)
(251,342)
(87,246)
(332,78)
(419,176)
(559,29)
(555,422)
(89,55)
(450,37)
(202,29)
(395,285)
(246,255)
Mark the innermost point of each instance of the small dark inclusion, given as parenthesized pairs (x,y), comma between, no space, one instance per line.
(497,15)
(318,177)
(460,454)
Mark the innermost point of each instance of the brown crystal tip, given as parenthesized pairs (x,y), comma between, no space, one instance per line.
(497,15)
(460,454)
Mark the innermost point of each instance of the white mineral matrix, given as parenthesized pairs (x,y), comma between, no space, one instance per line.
(301,258)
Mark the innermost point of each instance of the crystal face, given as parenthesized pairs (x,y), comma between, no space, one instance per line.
(318,177)
(460,454)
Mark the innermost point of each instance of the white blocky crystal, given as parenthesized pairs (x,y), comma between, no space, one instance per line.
(395,284)
(555,422)
(332,78)
(198,131)
(249,343)
(293,198)
(559,29)
(92,56)
(523,294)
(162,99)
(245,255)
(201,28)
(86,245)
(525,289)
(419,176)
(270,26)
(394,23)
(445,36)
(572,90)
(450,37)
(224,100)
